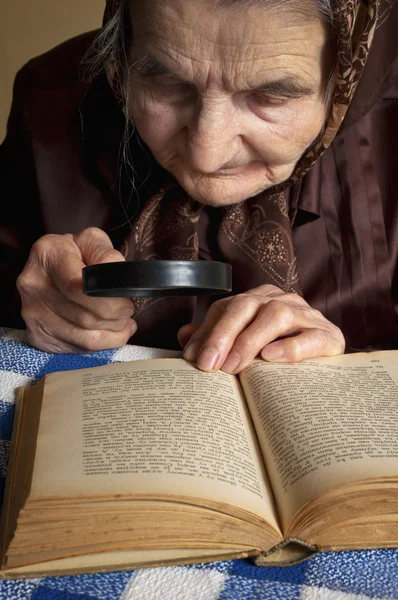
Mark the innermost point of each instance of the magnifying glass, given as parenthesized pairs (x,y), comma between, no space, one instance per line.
(140,278)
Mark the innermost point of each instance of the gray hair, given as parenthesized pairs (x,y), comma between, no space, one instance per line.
(111,45)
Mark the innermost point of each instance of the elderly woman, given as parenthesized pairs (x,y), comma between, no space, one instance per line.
(263,133)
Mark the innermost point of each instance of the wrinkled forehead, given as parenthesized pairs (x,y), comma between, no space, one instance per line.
(232,28)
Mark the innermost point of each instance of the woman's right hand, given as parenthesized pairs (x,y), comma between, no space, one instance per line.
(58,316)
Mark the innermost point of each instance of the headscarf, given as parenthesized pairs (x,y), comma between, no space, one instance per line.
(255,236)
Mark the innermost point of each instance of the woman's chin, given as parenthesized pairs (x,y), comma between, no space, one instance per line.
(213,192)
(229,188)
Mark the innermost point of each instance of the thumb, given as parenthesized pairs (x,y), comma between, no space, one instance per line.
(96,247)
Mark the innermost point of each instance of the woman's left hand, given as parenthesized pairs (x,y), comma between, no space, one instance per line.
(265,321)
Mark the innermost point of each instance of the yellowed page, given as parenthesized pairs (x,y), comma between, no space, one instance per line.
(158,427)
(324,422)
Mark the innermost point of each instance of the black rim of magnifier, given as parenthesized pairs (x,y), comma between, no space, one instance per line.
(157,278)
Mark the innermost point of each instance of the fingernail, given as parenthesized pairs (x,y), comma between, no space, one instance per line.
(191,350)
(232,362)
(272,353)
(207,358)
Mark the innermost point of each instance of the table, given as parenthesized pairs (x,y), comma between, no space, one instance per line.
(359,575)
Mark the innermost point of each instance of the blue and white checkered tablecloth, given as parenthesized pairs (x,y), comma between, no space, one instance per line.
(330,576)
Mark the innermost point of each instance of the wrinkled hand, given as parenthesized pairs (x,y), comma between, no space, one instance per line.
(265,321)
(58,316)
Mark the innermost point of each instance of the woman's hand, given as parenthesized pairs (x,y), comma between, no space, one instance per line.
(58,316)
(264,321)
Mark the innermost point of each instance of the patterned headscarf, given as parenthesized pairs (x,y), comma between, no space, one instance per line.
(254,236)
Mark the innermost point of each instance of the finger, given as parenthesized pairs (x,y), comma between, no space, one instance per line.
(273,320)
(310,343)
(65,269)
(56,302)
(220,330)
(55,334)
(96,247)
(185,332)
(276,319)
(39,294)
(218,339)
(194,343)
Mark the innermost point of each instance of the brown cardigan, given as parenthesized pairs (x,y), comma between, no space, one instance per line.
(58,174)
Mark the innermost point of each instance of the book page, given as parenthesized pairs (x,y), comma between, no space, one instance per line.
(325,422)
(157,427)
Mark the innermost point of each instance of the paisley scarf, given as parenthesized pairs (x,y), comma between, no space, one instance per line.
(255,236)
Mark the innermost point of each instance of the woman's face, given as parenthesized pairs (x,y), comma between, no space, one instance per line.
(226,101)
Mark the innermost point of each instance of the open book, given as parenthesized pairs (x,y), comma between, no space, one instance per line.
(155,462)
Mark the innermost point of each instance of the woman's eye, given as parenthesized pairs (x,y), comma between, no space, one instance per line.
(265,101)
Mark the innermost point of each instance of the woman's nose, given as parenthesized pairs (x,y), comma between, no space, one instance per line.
(213,140)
